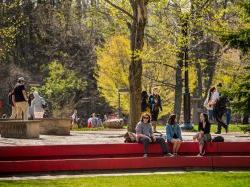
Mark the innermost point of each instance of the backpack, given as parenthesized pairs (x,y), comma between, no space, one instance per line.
(129,137)
(221,104)
(218,139)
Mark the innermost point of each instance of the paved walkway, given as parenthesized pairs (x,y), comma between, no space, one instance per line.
(98,137)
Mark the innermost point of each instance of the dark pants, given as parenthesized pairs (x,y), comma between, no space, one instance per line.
(159,140)
(218,118)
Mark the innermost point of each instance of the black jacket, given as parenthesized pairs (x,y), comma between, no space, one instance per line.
(206,130)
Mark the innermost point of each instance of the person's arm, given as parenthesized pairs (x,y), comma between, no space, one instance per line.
(24,93)
(13,100)
(138,131)
(160,105)
(152,134)
(179,131)
(168,132)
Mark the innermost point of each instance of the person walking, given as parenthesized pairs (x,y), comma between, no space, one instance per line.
(219,109)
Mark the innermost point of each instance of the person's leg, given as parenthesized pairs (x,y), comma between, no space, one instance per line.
(145,142)
(201,145)
(13,113)
(195,137)
(201,148)
(18,111)
(24,108)
(154,125)
(175,143)
(222,123)
(178,145)
(163,145)
(217,120)
(154,116)
(210,115)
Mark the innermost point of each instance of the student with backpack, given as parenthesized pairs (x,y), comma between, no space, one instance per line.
(219,109)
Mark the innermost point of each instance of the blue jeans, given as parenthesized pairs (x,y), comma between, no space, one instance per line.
(228,117)
(210,115)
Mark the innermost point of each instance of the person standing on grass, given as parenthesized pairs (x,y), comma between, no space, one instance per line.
(144,102)
(155,106)
(203,136)
(173,133)
(145,136)
(21,100)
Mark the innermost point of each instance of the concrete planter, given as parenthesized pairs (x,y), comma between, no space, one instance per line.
(27,129)
(55,126)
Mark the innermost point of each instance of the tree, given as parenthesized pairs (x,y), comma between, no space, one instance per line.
(112,70)
(61,88)
(136,22)
(11,23)
(240,39)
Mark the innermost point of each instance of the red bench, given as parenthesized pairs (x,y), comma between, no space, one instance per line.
(119,156)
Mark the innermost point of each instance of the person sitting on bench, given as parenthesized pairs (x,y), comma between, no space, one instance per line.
(203,135)
(145,136)
(173,133)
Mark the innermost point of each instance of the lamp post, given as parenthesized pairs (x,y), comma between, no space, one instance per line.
(186,95)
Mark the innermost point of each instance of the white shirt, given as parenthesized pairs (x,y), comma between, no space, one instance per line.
(214,97)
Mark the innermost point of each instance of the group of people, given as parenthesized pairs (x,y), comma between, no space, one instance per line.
(25,106)
(145,135)
(92,122)
(216,107)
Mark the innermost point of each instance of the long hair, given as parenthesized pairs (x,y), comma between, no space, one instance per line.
(144,114)
(144,95)
(210,92)
(171,119)
(205,118)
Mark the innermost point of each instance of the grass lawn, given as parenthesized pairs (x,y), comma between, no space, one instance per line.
(232,128)
(211,179)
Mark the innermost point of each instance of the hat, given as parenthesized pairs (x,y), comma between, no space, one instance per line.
(20,79)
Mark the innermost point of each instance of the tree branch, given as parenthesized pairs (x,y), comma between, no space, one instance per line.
(158,62)
(119,8)
(161,82)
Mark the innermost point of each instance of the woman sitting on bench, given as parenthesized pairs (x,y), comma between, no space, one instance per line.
(203,136)
(173,133)
(145,136)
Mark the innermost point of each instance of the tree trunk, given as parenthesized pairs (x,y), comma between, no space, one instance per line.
(135,69)
(178,86)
